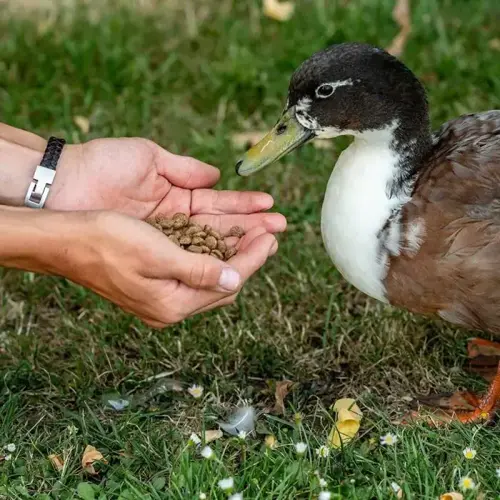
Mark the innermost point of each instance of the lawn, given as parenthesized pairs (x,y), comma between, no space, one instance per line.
(190,75)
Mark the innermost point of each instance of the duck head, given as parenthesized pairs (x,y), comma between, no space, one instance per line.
(346,89)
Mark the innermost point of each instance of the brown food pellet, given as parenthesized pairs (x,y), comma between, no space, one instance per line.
(217,254)
(215,234)
(174,239)
(185,240)
(180,220)
(197,240)
(200,234)
(168,231)
(193,229)
(211,242)
(207,228)
(205,249)
(151,221)
(236,231)
(166,223)
(221,246)
(230,252)
(194,249)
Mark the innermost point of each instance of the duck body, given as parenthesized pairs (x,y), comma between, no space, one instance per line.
(409,217)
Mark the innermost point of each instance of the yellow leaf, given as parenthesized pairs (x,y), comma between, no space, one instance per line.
(212,435)
(57,462)
(91,455)
(279,11)
(347,424)
(82,123)
(453,495)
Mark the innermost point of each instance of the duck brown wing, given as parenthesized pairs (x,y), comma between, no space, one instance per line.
(449,263)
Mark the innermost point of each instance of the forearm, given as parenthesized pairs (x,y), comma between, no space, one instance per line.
(42,241)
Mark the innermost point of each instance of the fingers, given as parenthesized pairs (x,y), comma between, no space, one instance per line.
(184,171)
(270,222)
(210,201)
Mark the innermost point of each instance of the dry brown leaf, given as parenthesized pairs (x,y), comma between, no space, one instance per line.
(247,139)
(401,14)
(212,435)
(279,11)
(82,123)
(452,495)
(91,455)
(57,462)
(281,392)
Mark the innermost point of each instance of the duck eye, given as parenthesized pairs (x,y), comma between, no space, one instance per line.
(324,90)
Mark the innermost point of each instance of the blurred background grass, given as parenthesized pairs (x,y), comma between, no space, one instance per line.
(190,75)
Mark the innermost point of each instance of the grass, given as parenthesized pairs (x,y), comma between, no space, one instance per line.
(189,75)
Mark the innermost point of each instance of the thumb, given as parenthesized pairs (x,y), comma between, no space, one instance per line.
(202,271)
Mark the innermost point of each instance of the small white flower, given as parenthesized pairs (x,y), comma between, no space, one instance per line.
(469,453)
(323,483)
(202,496)
(207,452)
(242,435)
(7,457)
(325,495)
(194,439)
(300,448)
(388,439)
(196,391)
(497,470)
(467,483)
(323,451)
(72,430)
(226,484)
(11,447)
(395,487)
(236,496)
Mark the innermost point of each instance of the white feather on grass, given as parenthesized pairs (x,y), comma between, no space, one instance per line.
(241,420)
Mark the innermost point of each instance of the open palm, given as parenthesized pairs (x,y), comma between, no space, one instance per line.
(137,177)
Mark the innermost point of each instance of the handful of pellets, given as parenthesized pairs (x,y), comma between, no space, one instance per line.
(192,237)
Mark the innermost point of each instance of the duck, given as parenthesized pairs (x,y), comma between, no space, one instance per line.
(410,216)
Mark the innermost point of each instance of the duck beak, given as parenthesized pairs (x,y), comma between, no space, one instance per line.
(287,135)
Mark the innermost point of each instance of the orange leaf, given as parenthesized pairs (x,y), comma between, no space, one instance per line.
(91,455)
(57,462)
(401,14)
(452,495)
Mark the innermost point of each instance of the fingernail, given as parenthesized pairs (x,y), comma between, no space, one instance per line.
(229,279)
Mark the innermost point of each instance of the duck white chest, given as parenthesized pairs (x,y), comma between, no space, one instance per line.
(355,209)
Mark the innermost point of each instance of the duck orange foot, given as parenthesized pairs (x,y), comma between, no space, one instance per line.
(466,407)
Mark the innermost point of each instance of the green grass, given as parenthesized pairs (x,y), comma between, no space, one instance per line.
(189,77)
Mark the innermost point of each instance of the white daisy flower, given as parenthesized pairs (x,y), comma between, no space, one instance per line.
(323,483)
(242,435)
(467,483)
(469,453)
(11,447)
(194,439)
(202,496)
(207,452)
(236,496)
(226,484)
(323,451)
(196,391)
(300,448)
(72,430)
(388,439)
(325,495)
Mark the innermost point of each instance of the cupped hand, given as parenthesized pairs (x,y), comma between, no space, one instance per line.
(138,178)
(138,268)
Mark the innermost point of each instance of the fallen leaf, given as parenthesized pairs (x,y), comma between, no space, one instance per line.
(282,389)
(401,14)
(347,423)
(82,123)
(212,435)
(279,11)
(57,462)
(245,140)
(118,404)
(91,455)
(242,420)
(452,495)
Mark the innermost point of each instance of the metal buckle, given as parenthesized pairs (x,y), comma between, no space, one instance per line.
(39,187)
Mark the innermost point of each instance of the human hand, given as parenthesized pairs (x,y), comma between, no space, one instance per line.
(139,178)
(135,266)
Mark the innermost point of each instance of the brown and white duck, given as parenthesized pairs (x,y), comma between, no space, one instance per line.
(410,217)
